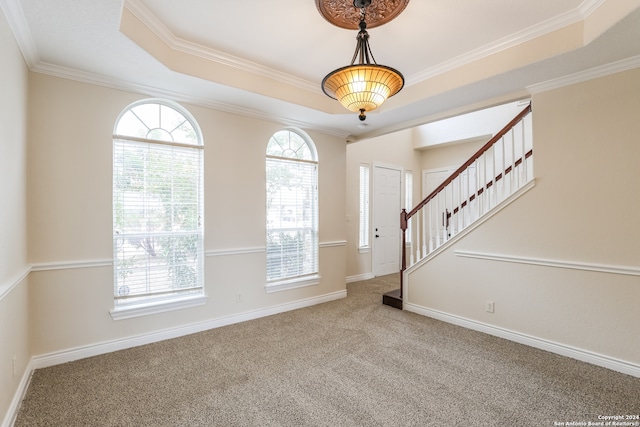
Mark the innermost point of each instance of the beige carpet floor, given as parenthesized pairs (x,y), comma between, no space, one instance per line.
(352,362)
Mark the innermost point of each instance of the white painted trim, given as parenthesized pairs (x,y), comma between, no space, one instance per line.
(238,251)
(14,407)
(157,27)
(512,40)
(14,281)
(589,6)
(114,83)
(333,244)
(551,346)
(262,249)
(19,27)
(601,268)
(64,265)
(18,24)
(555,23)
(69,355)
(121,313)
(299,282)
(583,76)
(360,277)
(67,265)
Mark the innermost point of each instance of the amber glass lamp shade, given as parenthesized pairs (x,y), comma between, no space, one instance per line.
(365,85)
(362,87)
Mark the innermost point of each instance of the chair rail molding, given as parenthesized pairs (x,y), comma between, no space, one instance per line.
(573,265)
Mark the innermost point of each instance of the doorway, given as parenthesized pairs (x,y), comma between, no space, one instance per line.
(387,185)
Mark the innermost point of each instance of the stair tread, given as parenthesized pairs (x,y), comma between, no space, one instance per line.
(392,299)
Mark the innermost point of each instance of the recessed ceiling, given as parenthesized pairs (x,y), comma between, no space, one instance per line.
(267,59)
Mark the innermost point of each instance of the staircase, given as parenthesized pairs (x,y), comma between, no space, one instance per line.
(494,173)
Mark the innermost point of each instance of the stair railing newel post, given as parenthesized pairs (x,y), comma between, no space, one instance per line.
(403,227)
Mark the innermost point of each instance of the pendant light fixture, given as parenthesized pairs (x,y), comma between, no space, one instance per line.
(364,86)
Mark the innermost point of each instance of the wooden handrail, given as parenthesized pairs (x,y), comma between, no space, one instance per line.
(489,184)
(405,216)
(469,162)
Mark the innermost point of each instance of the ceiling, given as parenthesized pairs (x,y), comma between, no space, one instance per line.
(267,59)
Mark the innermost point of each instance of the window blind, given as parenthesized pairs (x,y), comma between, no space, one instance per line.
(157,213)
(364,206)
(292,218)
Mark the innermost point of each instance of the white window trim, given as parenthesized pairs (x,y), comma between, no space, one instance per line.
(298,282)
(138,310)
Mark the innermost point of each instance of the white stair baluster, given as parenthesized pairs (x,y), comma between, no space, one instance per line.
(524,155)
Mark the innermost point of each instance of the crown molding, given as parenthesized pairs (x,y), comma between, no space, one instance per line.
(20,29)
(18,24)
(124,85)
(190,48)
(523,36)
(583,76)
(589,6)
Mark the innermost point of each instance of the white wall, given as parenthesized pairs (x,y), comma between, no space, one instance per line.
(70,146)
(450,155)
(582,212)
(488,121)
(14,266)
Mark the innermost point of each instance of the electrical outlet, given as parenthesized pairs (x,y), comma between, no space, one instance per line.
(238,297)
(13,365)
(490,306)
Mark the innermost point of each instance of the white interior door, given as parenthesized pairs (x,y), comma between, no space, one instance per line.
(434,177)
(386,219)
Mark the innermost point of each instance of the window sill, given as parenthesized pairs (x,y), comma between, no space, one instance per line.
(285,285)
(138,310)
(364,249)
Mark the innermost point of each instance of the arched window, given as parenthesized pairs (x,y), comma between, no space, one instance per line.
(157,205)
(292,211)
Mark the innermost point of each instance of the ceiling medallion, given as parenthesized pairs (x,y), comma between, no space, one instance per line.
(343,14)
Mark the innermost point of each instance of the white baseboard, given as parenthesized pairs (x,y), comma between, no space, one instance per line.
(360,277)
(69,355)
(553,347)
(12,412)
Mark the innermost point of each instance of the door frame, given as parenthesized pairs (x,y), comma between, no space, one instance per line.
(425,172)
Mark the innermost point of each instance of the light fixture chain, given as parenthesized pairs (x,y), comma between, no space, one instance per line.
(370,54)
